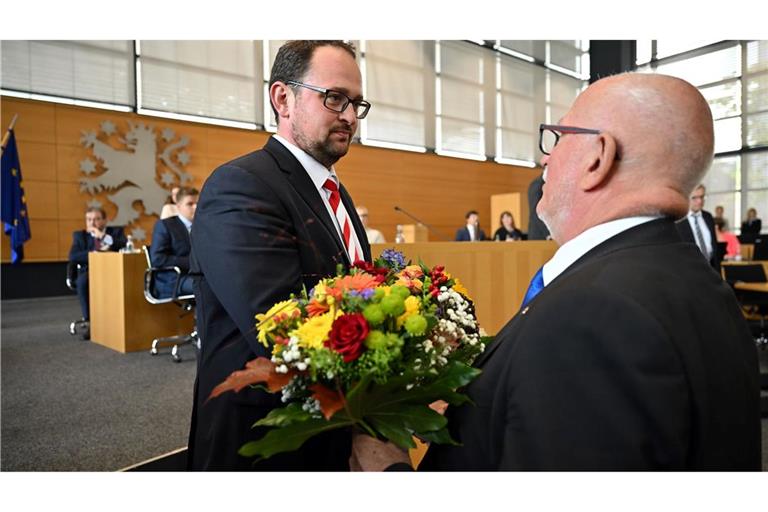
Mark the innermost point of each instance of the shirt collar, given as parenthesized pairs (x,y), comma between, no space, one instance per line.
(187,223)
(577,247)
(318,173)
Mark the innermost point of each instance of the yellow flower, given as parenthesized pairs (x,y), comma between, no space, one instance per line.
(324,294)
(269,321)
(314,332)
(412,305)
(460,288)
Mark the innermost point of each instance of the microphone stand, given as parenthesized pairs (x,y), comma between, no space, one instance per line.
(429,228)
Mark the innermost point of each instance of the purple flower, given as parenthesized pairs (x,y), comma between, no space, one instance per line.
(366,293)
(394,259)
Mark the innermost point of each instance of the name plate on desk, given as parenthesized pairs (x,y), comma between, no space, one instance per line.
(121,318)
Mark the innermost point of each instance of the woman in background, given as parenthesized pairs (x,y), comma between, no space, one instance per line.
(507,232)
(751,226)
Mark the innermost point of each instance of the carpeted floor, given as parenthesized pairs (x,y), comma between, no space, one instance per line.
(73,405)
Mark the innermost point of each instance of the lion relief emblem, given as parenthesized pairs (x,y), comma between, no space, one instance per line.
(133,166)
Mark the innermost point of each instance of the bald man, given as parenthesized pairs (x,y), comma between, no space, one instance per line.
(634,355)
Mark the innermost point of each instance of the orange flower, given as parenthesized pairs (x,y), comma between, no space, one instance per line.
(357,282)
(314,308)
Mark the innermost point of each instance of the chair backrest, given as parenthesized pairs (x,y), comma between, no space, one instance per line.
(745,273)
(146,249)
(761,249)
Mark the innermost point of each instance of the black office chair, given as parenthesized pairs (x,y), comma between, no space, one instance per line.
(82,325)
(185,302)
(753,303)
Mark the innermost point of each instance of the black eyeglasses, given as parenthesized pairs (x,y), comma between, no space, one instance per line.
(549,136)
(337,101)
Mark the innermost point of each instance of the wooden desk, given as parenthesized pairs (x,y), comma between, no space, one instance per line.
(496,274)
(121,318)
(751,287)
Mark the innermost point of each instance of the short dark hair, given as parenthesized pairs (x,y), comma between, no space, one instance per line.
(97,209)
(186,191)
(471,212)
(293,58)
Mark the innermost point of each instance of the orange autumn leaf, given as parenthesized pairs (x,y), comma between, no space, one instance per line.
(360,281)
(256,371)
(330,400)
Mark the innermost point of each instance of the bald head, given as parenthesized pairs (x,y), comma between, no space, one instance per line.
(655,144)
(661,123)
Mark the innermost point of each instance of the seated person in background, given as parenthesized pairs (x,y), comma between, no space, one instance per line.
(95,237)
(471,232)
(374,235)
(750,228)
(169,208)
(719,211)
(507,232)
(171,246)
(733,249)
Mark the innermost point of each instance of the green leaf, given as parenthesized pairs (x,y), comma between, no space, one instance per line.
(442,436)
(291,437)
(394,432)
(292,413)
(416,418)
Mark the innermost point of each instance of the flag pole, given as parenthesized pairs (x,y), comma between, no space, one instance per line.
(8,133)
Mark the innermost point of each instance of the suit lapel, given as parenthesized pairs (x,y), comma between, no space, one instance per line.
(301,182)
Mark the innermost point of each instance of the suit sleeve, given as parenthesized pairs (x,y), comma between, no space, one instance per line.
(596,384)
(162,251)
(78,253)
(244,243)
(118,238)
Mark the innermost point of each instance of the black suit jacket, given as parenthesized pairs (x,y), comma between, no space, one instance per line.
(261,232)
(462,235)
(684,228)
(83,243)
(171,246)
(636,357)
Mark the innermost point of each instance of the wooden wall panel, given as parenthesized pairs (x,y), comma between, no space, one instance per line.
(38,161)
(44,244)
(42,201)
(437,189)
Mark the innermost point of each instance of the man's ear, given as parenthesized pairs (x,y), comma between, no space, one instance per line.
(281,99)
(600,162)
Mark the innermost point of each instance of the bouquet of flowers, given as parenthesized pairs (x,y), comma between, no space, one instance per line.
(371,347)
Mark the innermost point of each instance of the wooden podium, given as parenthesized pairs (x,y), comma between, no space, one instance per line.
(121,318)
(495,274)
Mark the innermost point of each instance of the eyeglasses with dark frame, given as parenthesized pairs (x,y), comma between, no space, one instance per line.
(336,101)
(549,136)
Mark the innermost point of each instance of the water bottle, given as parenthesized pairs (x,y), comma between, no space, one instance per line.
(399,237)
(129,245)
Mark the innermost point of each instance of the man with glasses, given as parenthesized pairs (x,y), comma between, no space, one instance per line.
(698,227)
(267,225)
(628,352)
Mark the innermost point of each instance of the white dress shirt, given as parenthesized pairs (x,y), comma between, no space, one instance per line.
(577,247)
(706,234)
(318,173)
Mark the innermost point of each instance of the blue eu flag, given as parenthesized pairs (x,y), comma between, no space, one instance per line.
(14,204)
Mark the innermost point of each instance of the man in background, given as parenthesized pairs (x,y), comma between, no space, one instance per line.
(171,246)
(628,352)
(471,232)
(96,237)
(374,235)
(698,227)
(267,225)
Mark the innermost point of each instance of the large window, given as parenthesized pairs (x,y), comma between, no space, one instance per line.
(214,79)
(98,71)
(733,77)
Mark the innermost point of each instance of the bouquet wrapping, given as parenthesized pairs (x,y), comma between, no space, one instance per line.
(372,348)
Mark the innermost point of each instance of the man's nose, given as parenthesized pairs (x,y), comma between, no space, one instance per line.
(544,160)
(349,115)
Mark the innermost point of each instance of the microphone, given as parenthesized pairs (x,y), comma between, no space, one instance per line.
(419,221)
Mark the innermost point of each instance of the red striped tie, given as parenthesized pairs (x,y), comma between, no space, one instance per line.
(353,250)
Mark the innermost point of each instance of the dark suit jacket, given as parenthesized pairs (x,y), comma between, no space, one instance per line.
(537,230)
(636,357)
(462,235)
(170,248)
(684,228)
(750,230)
(261,232)
(83,243)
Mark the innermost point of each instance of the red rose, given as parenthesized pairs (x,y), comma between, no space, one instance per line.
(347,335)
(379,273)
